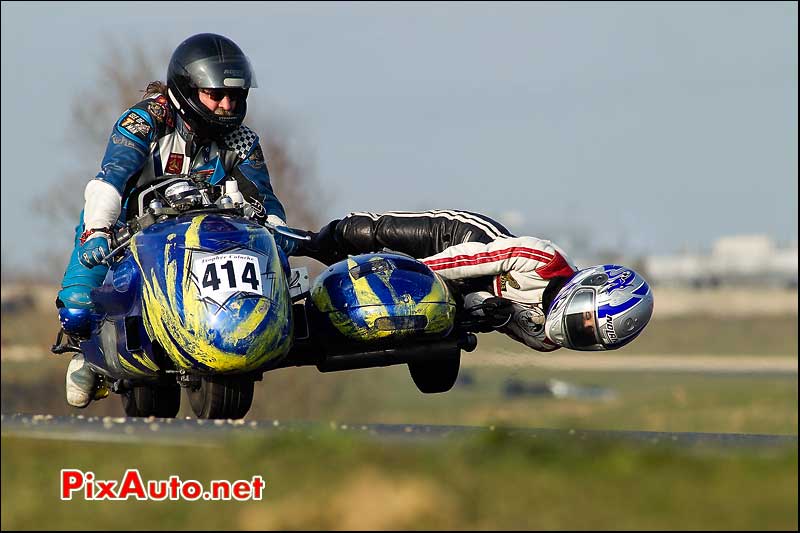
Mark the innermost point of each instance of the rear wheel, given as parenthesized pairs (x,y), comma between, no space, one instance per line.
(163,401)
(221,397)
(437,375)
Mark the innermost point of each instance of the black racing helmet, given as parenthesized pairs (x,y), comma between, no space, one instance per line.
(209,61)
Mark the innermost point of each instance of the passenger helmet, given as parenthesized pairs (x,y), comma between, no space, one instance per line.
(603,307)
(208,61)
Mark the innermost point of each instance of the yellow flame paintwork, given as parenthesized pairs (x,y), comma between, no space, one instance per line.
(438,306)
(193,334)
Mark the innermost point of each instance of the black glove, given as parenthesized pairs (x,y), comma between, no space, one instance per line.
(498,310)
(322,246)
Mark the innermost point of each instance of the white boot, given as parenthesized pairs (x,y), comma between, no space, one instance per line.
(80,382)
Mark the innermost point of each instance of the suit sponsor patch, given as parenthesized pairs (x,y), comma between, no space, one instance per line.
(135,124)
(507,280)
(259,213)
(256,158)
(157,111)
(161,100)
(174,164)
(204,174)
(124,141)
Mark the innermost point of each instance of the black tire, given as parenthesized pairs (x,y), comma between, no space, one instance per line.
(438,375)
(159,401)
(221,397)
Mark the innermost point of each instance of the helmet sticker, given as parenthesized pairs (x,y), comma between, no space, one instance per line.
(612,335)
(619,281)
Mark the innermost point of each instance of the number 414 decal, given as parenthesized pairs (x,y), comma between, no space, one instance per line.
(220,275)
(249,275)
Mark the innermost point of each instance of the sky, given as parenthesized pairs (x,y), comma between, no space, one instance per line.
(648,128)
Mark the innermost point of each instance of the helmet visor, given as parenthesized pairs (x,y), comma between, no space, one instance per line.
(580,322)
(214,73)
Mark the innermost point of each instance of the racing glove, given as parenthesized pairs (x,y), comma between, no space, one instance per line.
(95,245)
(496,311)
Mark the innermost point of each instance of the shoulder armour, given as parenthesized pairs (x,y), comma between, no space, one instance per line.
(241,141)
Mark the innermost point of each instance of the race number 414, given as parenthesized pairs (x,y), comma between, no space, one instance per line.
(227,273)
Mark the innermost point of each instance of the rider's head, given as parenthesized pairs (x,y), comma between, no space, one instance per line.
(600,308)
(208,79)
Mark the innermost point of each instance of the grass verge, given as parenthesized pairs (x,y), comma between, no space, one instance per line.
(335,481)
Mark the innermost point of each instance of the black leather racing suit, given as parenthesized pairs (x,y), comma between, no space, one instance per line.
(476,256)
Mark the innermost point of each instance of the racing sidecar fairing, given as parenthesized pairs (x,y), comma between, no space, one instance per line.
(374,297)
(209,289)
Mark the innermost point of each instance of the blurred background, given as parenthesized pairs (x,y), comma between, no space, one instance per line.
(659,135)
(640,129)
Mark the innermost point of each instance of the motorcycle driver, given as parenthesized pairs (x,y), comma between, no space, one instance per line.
(527,287)
(193,123)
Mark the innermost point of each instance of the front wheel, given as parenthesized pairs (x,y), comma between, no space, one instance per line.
(438,375)
(163,401)
(221,397)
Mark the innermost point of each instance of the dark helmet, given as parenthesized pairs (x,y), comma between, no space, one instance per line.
(208,61)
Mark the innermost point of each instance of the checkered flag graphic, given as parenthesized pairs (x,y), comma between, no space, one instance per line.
(241,141)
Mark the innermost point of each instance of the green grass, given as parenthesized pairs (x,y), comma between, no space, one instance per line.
(655,402)
(335,481)
(697,335)
(641,401)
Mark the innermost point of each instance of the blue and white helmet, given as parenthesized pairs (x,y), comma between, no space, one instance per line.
(603,307)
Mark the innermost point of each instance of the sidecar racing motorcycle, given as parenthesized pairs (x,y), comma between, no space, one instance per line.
(198,296)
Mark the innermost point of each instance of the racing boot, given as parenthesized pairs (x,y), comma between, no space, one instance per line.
(81,382)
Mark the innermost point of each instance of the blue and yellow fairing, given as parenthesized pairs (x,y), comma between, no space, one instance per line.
(383,296)
(233,332)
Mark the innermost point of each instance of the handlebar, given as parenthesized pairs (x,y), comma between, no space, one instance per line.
(288,232)
(184,202)
(123,237)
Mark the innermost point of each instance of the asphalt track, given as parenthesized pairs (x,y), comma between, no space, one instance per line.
(211,432)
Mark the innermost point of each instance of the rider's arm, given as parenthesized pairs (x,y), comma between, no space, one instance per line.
(254,183)
(525,255)
(129,145)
